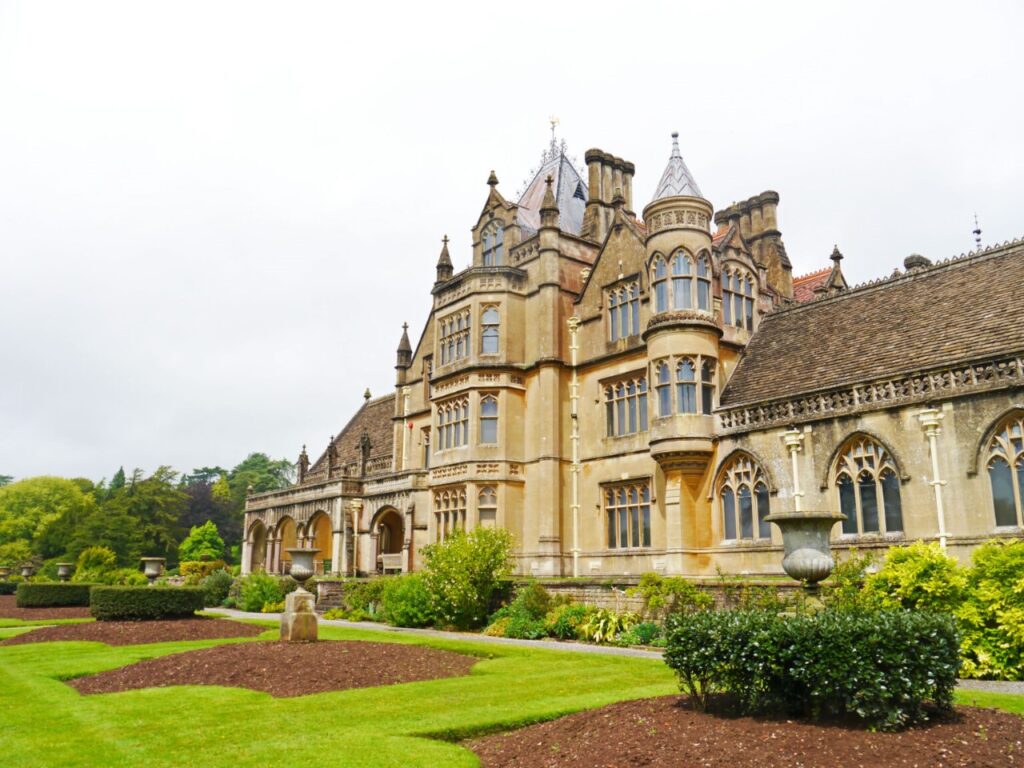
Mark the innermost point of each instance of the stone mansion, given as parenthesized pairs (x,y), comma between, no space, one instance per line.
(633,393)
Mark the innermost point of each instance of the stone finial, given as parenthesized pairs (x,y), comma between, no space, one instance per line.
(492,180)
(836,255)
(367,395)
(916,261)
(404,349)
(444,261)
(548,203)
(836,281)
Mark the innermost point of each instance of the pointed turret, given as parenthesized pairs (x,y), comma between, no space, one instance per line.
(836,282)
(444,262)
(676,181)
(549,214)
(302,467)
(404,357)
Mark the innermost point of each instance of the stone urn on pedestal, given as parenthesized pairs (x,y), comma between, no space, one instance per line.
(298,622)
(805,541)
(64,571)
(27,571)
(5,571)
(153,567)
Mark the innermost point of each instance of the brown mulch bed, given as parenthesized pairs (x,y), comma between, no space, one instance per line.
(139,632)
(285,669)
(9,610)
(663,732)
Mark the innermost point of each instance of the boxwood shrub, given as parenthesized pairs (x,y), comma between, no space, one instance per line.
(144,603)
(879,666)
(55,594)
(8,587)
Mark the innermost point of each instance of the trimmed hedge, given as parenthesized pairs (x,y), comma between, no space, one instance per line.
(145,603)
(54,594)
(8,587)
(878,666)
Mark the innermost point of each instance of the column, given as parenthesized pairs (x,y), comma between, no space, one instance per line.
(930,419)
(793,438)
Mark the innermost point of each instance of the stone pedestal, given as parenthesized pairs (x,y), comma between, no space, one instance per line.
(298,622)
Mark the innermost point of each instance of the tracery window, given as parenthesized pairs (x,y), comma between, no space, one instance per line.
(487,507)
(664,387)
(707,386)
(703,284)
(449,512)
(490,322)
(489,419)
(625,405)
(628,512)
(738,299)
(745,500)
(624,311)
(682,281)
(454,333)
(452,424)
(686,386)
(660,282)
(493,245)
(869,488)
(1006,472)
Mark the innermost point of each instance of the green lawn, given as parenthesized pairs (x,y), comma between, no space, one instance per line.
(4,623)
(45,722)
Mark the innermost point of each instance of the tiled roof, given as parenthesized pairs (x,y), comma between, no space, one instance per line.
(375,418)
(676,181)
(570,195)
(955,311)
(803,286)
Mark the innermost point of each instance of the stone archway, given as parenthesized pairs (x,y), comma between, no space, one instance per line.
(257,547)
(319,537)
(389,531)
(286,537)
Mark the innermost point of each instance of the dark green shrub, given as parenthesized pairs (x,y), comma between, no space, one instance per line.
(644,633)
(52,595)
(364,595)
(217,585)
(664,595)
(406,602)
(144,603)
(8,587)
(564,621)
(257,589)
(464,571)
(523,627)
(878,666)
(531,601)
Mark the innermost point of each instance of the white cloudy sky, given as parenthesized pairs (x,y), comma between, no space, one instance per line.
(215,216)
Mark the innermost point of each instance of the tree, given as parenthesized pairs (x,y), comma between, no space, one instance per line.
(208,475)
(155,503)
(202,543)
(41,511)
(262,473)
(5,480)
(118,482)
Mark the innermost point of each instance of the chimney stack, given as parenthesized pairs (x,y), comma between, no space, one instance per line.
(606,175)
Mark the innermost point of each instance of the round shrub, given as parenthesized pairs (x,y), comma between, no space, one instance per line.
(406,601)
(564,621)
(52,595)
(257,589)
(217,585)
(145,603)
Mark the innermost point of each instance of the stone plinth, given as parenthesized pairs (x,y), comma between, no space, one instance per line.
(298,622)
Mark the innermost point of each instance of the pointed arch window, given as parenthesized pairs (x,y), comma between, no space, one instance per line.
(449,512)
(490,323)
(489,420)
(743,491)
(625,405)
(738,298)
(707,386)
(454,337)
(1006,472)
(686,386)
(869,488)
(628,513)
(487,507)
(660,282)
(624,311)
(664,387)
(682,281)
(452,424)
(493,245)
(703,284)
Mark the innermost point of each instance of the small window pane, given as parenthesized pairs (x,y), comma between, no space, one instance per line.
(611,529)
(746,513)
(1002,492)
(847,504)
(764,528)
(891,499)
(868,503)
(729,513)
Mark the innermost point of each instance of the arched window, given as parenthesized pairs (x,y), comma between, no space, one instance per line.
(745,502)
(490,321)
(738,298)
(1006,472)
(628,511)
(449,512)
(686,386)
(664,387)
(625,405)
(454,337)
(493,245)
(703,284)
(489,420)
(613,315)
(660,282)
(487,507)
(452,424)
(707,386)
(682,281)
(624,311)
(869,489)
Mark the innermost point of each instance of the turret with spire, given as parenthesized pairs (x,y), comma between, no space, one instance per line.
(302,466)
(444,262)
(403,358)
(835,282)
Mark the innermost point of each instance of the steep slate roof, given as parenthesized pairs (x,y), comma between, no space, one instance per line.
(570,193)
(375,418)
(677,179)
(956,311)
(803,286)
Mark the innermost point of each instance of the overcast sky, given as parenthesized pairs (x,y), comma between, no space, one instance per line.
(214,216)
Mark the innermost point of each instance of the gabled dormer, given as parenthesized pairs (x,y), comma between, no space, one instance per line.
(497,230)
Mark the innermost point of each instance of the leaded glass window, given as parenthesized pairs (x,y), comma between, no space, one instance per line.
(743,491)
(868,487)
(493,245)
(628,514)
(625,405)
(1006,472)
(490,321)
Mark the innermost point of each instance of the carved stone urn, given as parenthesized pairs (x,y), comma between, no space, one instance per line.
(27,571)
(5,571)
(153,567)
(805,541)
(298,622)
(64,571)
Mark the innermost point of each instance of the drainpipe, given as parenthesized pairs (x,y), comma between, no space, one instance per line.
(794,438)
(930,418)
(354,509)
(574,401)
(406,428)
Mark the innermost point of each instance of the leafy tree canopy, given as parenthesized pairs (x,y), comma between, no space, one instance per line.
(28,508)
(6,480)
(202,543)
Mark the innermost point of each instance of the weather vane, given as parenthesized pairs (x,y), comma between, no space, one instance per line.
(554,123)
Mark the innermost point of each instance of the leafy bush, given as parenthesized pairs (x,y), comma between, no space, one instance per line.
(498,627)
(8,587)
(144,603)
(406,601)
(879,666)
(523,627)
(257,589)
(52,595)
(364,595)
(604,625)
(202,543)
(564,621)
(217,585)
(531,600)
(336,613)
(644,633)
(992,615)
(917,577)
(195,571)
(272,606)
(463,573)
(663,595)
(95,564)
(843,591)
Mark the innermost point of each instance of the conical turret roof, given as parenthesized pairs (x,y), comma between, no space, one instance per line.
(676,181)
(568,188)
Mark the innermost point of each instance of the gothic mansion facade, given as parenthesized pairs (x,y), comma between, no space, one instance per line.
(633,394)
